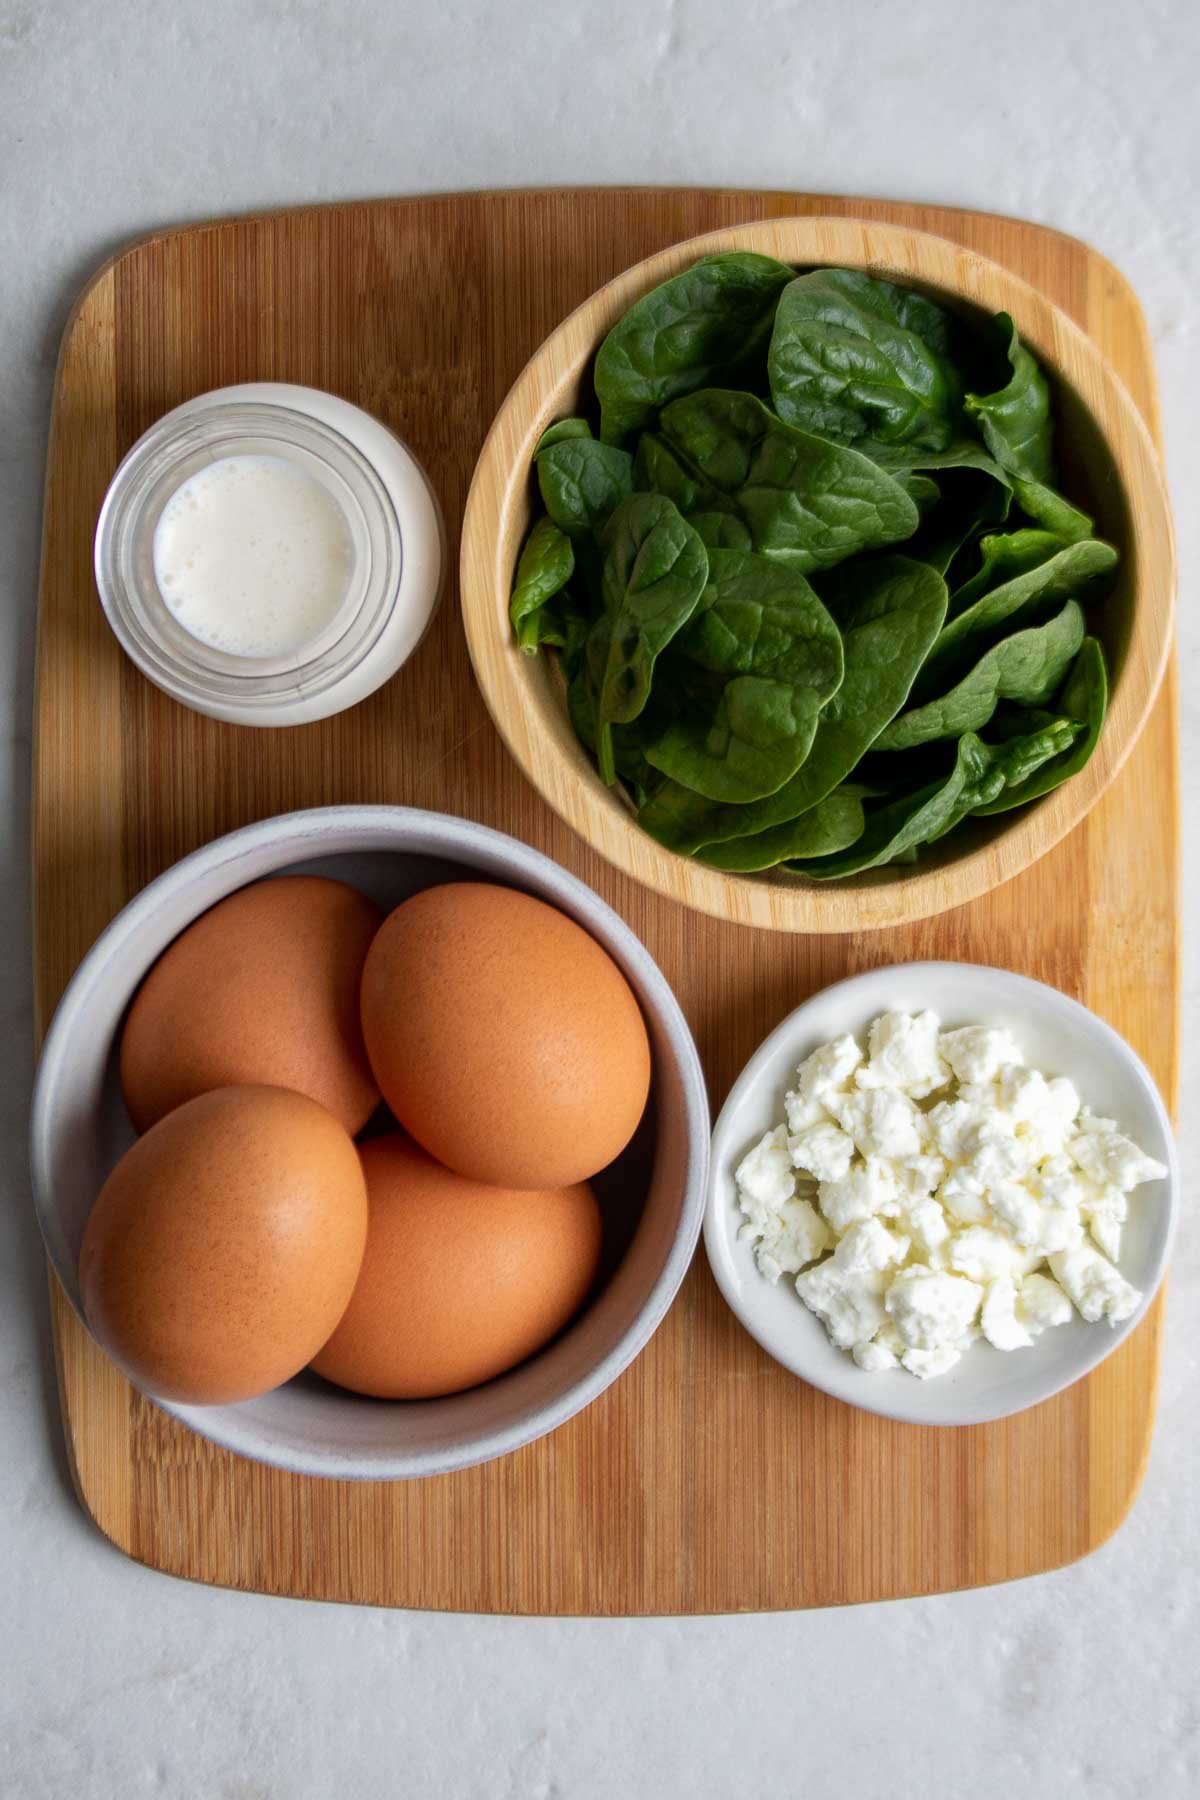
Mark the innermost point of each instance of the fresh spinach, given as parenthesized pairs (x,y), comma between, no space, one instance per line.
(1083,702)
(892,830)
(761,628)
(861,361)
(546,564)
(806,501)
(889,611)
(1003,555)
(757,720)
(705,322)
(1015,420)
(583,482)
(658,470)
(1049,510)
(560,432)
(654,574)
(831,825)
(1027,666)
(721,530)
(1069,572)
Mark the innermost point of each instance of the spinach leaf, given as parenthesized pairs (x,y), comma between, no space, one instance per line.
(900,826)
(1027,666)
(658,470)
(961,453)
(1049,510)
(1002,555)
(1083,701)
(721,530)
(1015,420)
(762,627)
(832,824)
(889,611)
(897,830)
(704,322)
(654,574)
(806,501)
(583,482)
(546,564)
(1071,572)
(624,742)
(862,361)
(560,432)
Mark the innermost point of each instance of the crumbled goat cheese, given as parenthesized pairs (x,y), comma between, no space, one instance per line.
(849,1304)
(1097,1290)
(903,1053)
(823,1150)
(931,1308)
(978,1053)
(995,1209)
(1041,1304)
(998,1316)
(882,1122)
(821,1075)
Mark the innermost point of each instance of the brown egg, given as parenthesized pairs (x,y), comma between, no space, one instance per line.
(459,1281)
(503,1037)
(263,988)
(225,1244)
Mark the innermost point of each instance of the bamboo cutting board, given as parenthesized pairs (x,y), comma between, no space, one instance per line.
(706,1479)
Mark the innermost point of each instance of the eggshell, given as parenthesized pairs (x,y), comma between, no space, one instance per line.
(262,988)
(459,1280)
(503,1037)
(224,1246)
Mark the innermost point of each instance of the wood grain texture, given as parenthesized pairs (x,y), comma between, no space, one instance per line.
(1114,466)
(705,1479)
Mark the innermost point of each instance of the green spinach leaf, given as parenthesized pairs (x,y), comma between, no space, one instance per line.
(658,470)
(893,830)
(1027,666)
(1015,420)
(1083,701)
(761,627)
(707,321)
(546,564)
(1069,572)
(721,530)
(1002,555)
(1049,510)
(831,825)
(889,611)
(862,361)
(806,501)
(560,432)
(654,574)
(583,482)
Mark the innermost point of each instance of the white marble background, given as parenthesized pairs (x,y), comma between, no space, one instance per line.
(115,118)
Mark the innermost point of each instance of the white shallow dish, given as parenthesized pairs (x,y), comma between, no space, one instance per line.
(80,1128)
(1057,1035)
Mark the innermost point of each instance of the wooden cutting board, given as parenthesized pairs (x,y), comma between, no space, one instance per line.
(706,1479)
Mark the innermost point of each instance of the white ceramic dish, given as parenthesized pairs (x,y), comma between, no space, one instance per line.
(1059,1036)
(653,1195)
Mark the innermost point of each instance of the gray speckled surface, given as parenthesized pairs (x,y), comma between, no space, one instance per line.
(115,1681)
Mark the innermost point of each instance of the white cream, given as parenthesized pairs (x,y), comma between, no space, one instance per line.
(253,556)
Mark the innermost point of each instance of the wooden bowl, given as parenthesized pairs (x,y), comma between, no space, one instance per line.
(1109,464)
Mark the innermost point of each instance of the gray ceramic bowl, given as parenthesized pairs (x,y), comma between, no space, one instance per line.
(653,1195)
